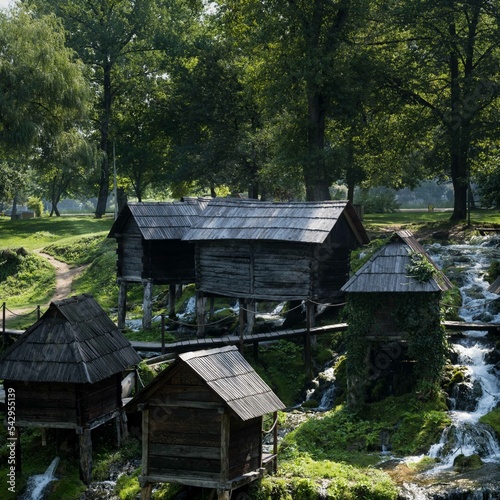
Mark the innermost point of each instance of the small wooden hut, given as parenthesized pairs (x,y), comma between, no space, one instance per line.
(395,299)
(66,372)
(151,251)
(256,250)
(202,422)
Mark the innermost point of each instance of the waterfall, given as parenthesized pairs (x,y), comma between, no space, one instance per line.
(481,392)
(37,484)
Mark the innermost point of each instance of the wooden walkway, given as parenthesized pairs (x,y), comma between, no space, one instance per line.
(210,342)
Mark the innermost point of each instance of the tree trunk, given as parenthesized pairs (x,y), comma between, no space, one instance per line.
(459,141)
(104,130)
(13,215)
(315,176)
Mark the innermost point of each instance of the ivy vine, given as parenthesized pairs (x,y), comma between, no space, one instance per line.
(420,268)
(417,316)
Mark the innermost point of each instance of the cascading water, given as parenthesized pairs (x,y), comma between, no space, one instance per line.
(467,436)
(37,484)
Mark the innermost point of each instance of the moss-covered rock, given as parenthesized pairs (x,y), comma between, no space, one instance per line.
(471,462)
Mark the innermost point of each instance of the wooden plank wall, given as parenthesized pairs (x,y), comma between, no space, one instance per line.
(170,260)
(184,441)
(264,270)
(44,402)
(130,253)
(100,398)
(245,446)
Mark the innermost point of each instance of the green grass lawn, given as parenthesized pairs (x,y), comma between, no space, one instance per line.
(40,232)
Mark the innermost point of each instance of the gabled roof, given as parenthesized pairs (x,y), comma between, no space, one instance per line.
(159,220)
(303,222)
(73,342)
(229,375)
(387,269)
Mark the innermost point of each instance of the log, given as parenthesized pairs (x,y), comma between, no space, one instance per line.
(86,456)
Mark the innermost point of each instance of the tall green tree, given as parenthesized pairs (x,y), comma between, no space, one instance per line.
(445,67)
(106,34)
(42,89)
(300,51)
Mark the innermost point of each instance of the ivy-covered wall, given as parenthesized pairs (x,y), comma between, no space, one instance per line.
(375,320)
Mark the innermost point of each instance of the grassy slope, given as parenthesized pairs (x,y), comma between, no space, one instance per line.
(336,446)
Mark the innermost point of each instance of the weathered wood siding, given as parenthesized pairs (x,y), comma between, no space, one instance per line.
(169,261)
(100,398)
(245,446)
(262,270)
(42,402)
(130,252)
(184,441)
(77,404)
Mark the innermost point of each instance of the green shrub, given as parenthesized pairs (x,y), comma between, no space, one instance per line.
(36,205)
(378,201)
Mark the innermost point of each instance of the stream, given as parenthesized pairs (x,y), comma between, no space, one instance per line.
(477,394)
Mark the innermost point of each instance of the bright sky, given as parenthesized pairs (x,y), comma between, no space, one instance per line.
(5,3)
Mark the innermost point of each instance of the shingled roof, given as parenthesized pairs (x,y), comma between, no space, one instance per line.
(305,222)
(160,220)
(387,269)
(73,342)
(230,376)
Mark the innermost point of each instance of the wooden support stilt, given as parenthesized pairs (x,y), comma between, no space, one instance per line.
(275,443)
(201,305)
(118,431)
(86,456)
(44,436)
(250,307)
(124,427)
(223,494)
(146,491)
(311,320)
(212,308)
(171,300)
(242,318)
(307,342)
(122,304)
(147,305)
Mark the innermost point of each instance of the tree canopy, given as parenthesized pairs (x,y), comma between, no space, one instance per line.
(280,99)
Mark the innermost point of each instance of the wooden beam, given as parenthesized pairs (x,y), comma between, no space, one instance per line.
(201,304)
(86,456)
(147,304)
(224,446)
(122,304)
(145,441)
(171,300)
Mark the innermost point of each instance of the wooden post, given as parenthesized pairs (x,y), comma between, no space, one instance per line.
(122,304)
(4,335)
(145,441)
(242,317)
(201,303)
(146,491)
(307,342)
(86,456)
(37,313)
(44,436)
(223,494)
(311,320)
(224,445)
(147,305)
(275,442)
(163,334)
(212,308)
(171,300)
(124,427)
(118,434)
(250,307)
